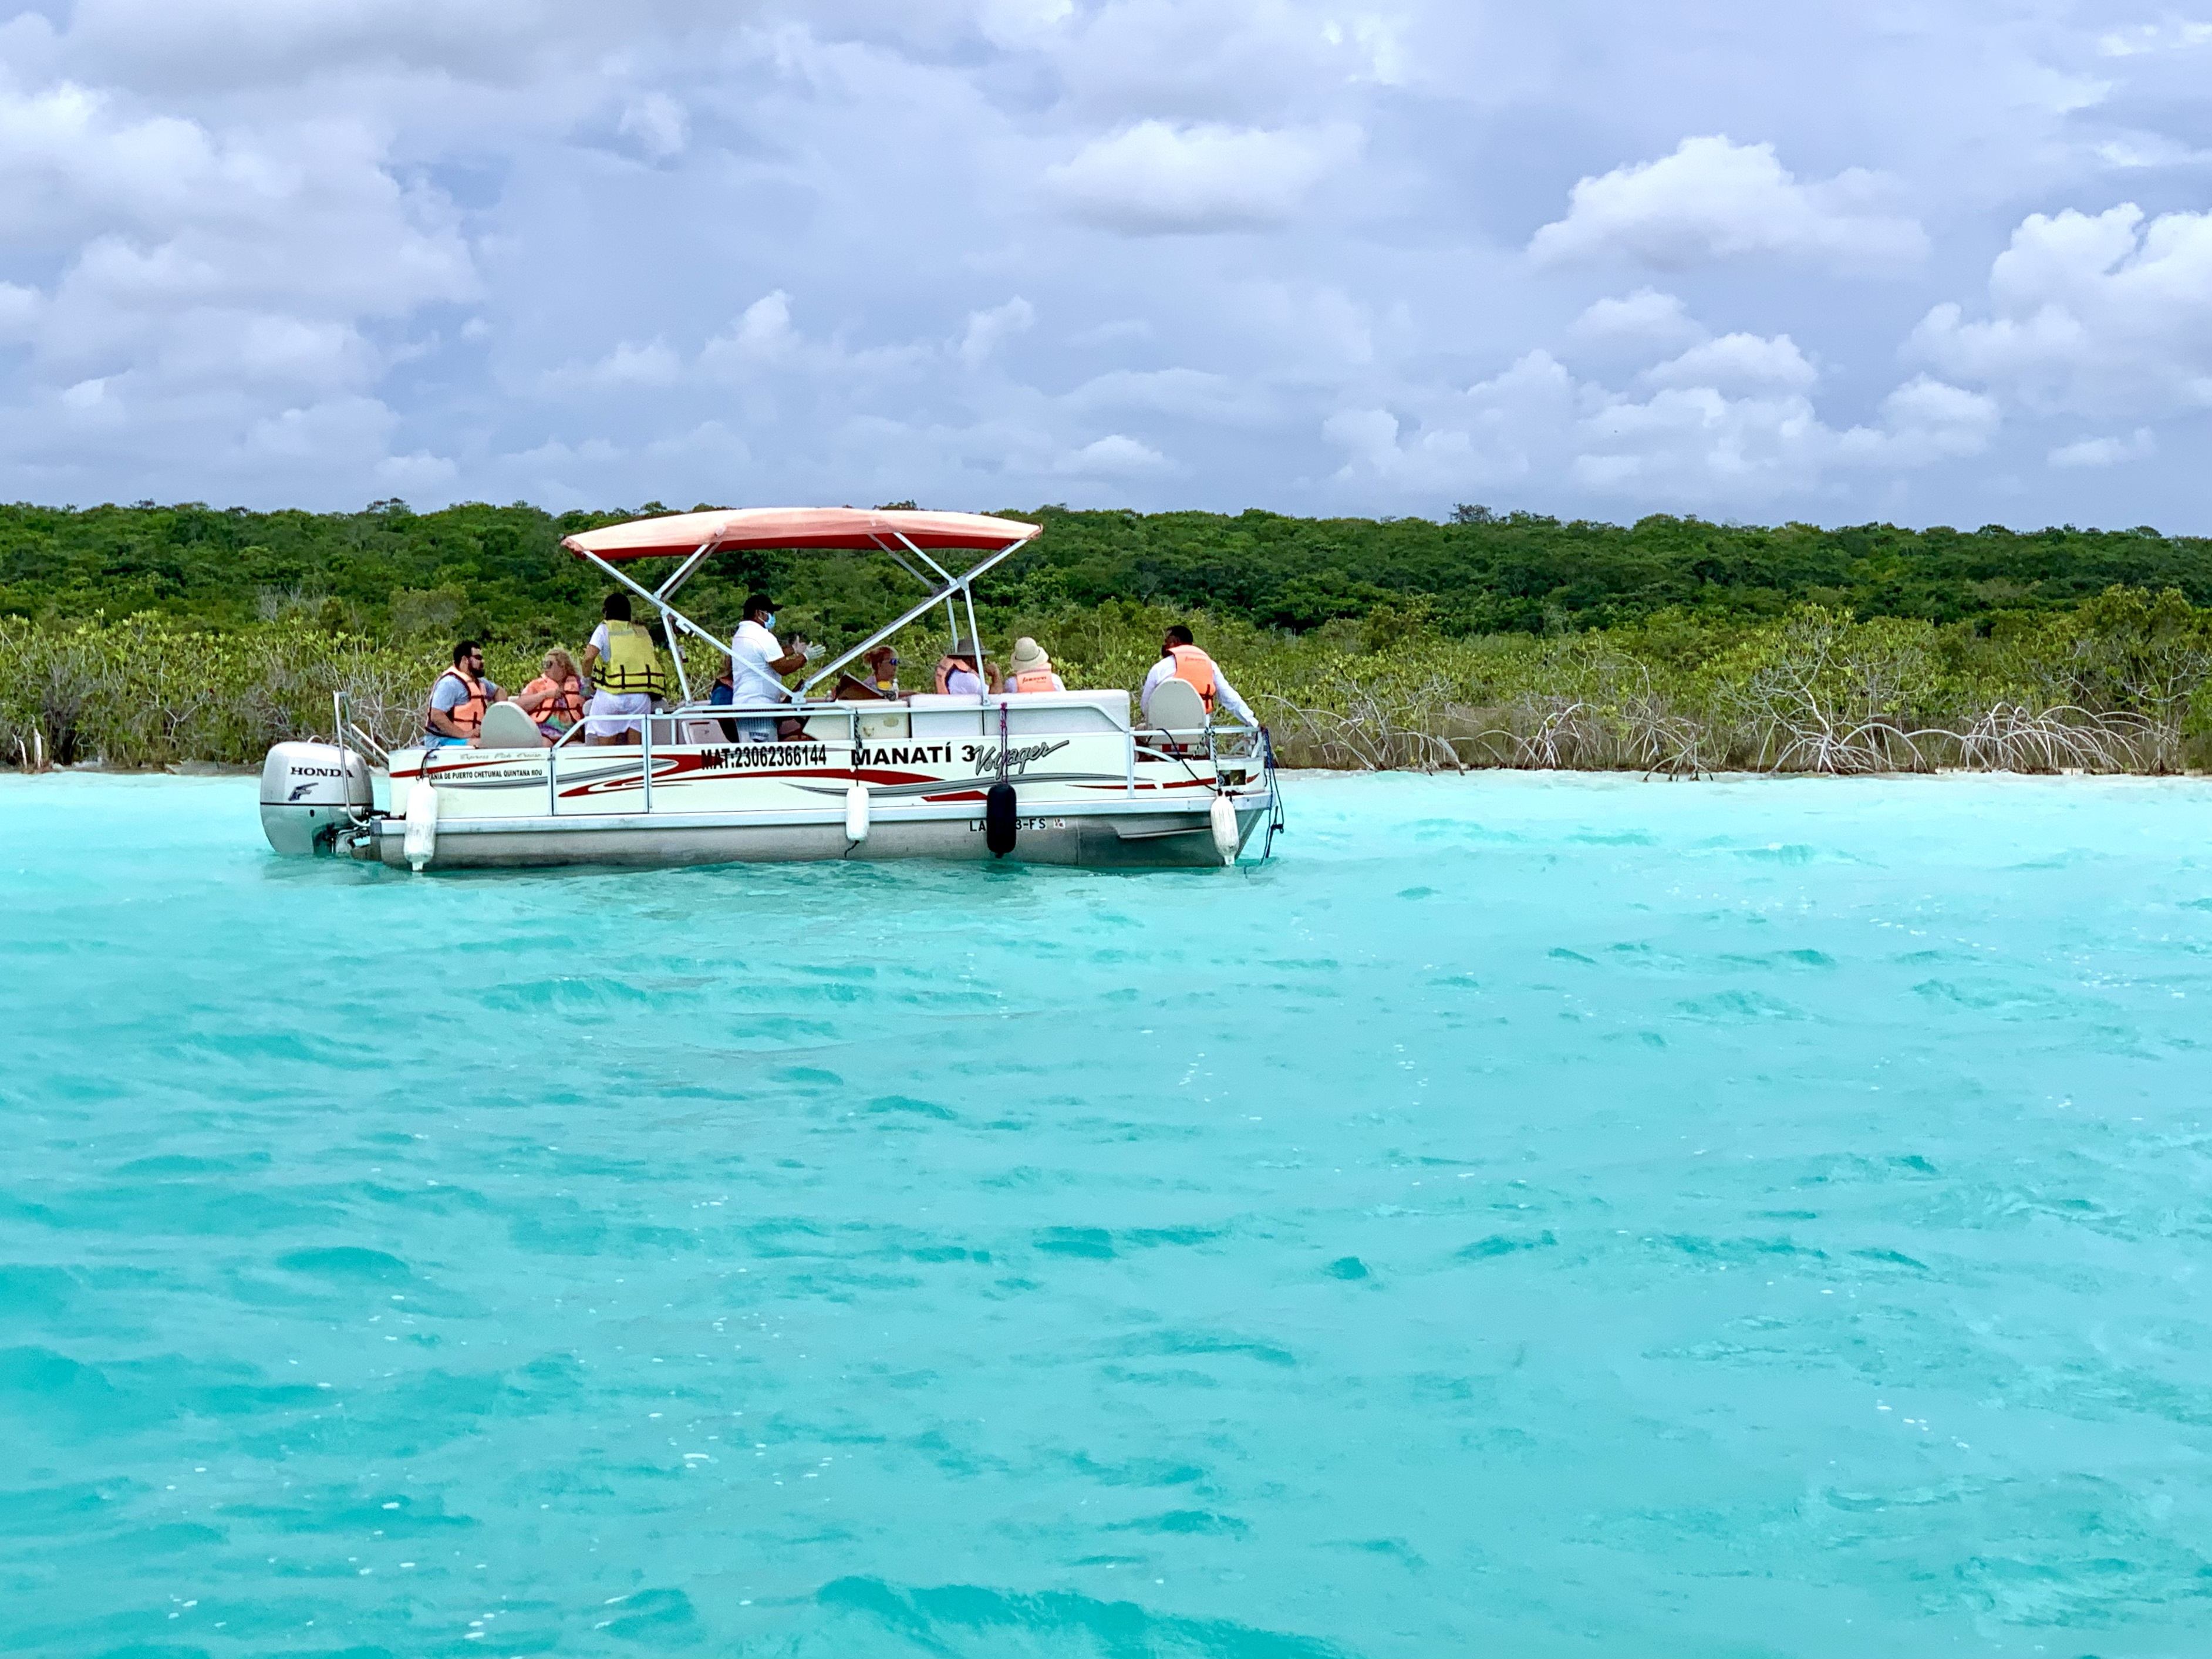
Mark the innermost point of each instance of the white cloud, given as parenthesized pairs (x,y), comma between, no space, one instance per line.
(988,329)
(1238,62)
(1927,419)
(1021,22)
(1713,199)
(763,334)
(1116,456)
(1738,361)
(19,309)
(315,432)
(1699,445)
(2128,150)
(2175,34)
(2098,314)
(692,249)
(165,208)
(1185,393)
(178,47)
(659,123)
(1442,459)
(1692,445)
(215,346)
(2140,445)
(1646,318)
(1155,179)
(1114,331)
(1501,430)
(1322,329)
(421,470)
(655,363)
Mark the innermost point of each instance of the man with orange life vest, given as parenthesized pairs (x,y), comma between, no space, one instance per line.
(458,700)
(1181,659)
(1032,668)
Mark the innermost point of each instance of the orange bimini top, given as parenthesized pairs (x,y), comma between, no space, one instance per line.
(855,529)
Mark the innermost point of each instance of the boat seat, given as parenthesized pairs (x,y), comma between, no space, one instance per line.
(506,726)
(1176,707)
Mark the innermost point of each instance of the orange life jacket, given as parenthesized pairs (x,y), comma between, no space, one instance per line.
(568,705)
(467,715)
(1036,679)
(1193,665)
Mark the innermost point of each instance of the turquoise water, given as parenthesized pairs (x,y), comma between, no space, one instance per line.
(1531,1216)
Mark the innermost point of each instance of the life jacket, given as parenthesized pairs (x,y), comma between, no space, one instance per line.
(632,662)
(568,705)
(1036,679)
(1193,665)
(467,715)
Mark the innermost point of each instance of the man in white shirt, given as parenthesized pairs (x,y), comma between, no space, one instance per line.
(1181,659)
(757,665)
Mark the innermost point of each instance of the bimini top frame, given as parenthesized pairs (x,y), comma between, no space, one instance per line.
(911,539)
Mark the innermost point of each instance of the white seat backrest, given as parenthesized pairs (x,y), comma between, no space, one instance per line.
(506,726)
(1176,707)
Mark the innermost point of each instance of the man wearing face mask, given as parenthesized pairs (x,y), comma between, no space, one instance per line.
(757,665)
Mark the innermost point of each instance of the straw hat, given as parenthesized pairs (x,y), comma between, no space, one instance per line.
(1029,654)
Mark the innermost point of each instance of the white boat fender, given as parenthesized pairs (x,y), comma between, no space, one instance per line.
(998,829)
(422,842)
(1223,816)
(856,813)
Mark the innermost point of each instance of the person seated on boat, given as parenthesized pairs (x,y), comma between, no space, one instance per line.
(955,671)
(881,685)
(459,699)
(757,665)
(556,698)
(1181,659)
(624,666)
(1032,668)
(882,670)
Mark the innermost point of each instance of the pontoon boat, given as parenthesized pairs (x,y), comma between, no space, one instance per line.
(1054,777)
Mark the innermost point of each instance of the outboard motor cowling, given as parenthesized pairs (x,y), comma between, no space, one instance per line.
(310,791)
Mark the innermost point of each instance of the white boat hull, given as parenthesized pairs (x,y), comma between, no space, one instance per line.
(1107,839)
(914,779)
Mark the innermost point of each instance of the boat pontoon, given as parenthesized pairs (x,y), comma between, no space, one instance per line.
(1055,777)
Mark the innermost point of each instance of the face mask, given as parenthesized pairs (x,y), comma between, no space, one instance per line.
(769,621)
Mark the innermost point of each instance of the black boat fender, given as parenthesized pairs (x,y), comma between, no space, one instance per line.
(998,830)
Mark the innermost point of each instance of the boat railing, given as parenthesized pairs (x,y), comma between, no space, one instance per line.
(685,713)
(1218,741)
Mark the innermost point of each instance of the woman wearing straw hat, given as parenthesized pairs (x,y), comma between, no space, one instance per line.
(1032,668)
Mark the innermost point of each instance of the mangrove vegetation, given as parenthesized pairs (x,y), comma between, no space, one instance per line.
(152,635)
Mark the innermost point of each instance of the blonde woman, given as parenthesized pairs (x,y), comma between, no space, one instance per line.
(556,698)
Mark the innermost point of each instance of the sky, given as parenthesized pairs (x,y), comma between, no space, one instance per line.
(1935,263)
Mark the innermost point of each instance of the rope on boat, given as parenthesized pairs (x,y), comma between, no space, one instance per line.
(1276,824)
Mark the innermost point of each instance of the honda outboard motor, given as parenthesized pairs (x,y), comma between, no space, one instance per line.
(306,789)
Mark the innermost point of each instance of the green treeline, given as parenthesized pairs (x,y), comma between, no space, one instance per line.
(499,571)
(148,635)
